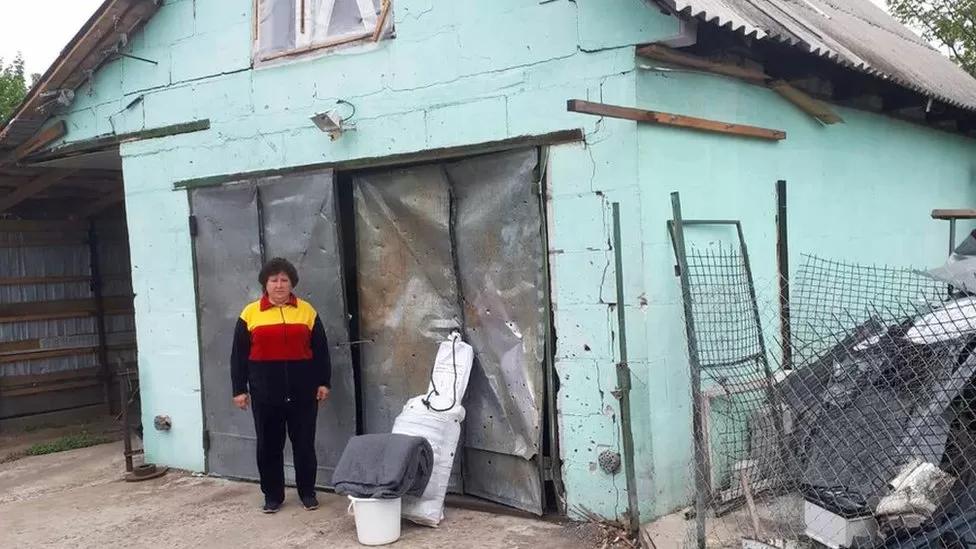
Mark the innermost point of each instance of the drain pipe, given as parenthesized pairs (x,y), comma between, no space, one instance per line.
(623,381)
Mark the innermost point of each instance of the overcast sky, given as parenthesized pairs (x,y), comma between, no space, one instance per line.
(40,28)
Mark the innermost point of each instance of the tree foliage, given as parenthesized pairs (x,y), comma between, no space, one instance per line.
(950,24)
(13,86)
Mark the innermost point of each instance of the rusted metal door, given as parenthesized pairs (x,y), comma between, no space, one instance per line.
(237,227)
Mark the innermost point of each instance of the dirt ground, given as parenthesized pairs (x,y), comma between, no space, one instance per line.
(78,499)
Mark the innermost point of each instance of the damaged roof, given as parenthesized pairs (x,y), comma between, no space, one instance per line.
(853,33)
(100,39)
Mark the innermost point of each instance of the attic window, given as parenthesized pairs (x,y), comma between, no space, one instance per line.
(292,27)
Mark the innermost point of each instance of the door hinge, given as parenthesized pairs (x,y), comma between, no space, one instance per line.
(206,440)
(193,225)
(677,270)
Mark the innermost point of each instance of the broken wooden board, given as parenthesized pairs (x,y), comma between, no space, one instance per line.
(806,103)
(674,120)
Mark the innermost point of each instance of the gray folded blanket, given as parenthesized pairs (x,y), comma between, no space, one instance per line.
(384,466)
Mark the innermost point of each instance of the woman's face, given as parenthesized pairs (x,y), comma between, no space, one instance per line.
(278,288)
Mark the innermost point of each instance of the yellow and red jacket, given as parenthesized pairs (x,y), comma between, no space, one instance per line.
(281,352)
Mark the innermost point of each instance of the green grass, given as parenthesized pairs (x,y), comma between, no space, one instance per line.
(83,439)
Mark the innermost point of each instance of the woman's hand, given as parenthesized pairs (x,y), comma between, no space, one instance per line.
(241,401)
(323,394)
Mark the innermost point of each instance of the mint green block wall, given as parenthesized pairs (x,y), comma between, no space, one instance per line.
(859,191)
(465,72)
(457,73)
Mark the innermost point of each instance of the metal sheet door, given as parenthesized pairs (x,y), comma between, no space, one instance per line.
(500,261)
(227,252)
(299,216)
(237,226)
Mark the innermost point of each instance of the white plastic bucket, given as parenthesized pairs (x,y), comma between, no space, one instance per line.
(377,520)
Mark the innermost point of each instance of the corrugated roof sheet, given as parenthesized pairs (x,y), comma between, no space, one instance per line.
(853,33)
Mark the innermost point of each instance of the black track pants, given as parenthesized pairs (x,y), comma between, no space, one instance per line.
(270,423)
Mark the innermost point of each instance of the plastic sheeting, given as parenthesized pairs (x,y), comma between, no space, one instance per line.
(335,18)
(901,417)
(959,269)
(296,218)
(409,274)
(276,26)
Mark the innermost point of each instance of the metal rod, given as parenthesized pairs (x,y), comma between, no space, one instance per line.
(952,236)
(137,58)
(702,489)
(96,288)
(553,469)
(624,380)
(783,261)
(259,203)
(771,394)
(126,431)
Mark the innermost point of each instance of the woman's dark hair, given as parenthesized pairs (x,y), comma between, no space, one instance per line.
(278,265)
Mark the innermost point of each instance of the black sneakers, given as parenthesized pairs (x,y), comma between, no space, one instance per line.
(310,503)
(271,507)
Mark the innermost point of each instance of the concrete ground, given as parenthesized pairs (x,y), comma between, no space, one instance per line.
(78,499)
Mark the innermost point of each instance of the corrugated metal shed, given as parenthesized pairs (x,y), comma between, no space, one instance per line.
(853,33)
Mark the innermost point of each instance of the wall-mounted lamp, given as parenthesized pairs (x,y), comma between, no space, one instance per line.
(333,123)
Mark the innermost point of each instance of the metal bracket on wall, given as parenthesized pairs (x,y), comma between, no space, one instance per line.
(952,216)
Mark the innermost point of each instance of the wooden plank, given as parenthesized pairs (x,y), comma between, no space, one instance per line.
(103,142)
(31,225)
(750,503)
(42,354)
(35,186)
(67,308)
(94,208)
(674,120)
(88,377)
(127,369)
(39,280)
(41,139)
(60,386)
(810,105)
(954,214)
(42,242)
(83,53)
(331,43)
(17,346)
(668,55)
(15,408)
(378,33)
(428,155)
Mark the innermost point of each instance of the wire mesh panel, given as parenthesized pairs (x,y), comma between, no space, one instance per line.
(869,441)
(831,296)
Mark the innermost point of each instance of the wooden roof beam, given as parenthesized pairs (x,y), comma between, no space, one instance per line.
(84,53)
(100,205)
(31,188)
(42,139)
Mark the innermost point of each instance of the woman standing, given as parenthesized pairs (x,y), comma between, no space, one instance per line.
(280,366)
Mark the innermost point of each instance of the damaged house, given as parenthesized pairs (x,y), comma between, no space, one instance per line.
(435,165)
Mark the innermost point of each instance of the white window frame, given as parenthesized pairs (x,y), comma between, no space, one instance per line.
(311,28)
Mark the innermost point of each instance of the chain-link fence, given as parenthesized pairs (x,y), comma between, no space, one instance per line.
(851,425)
